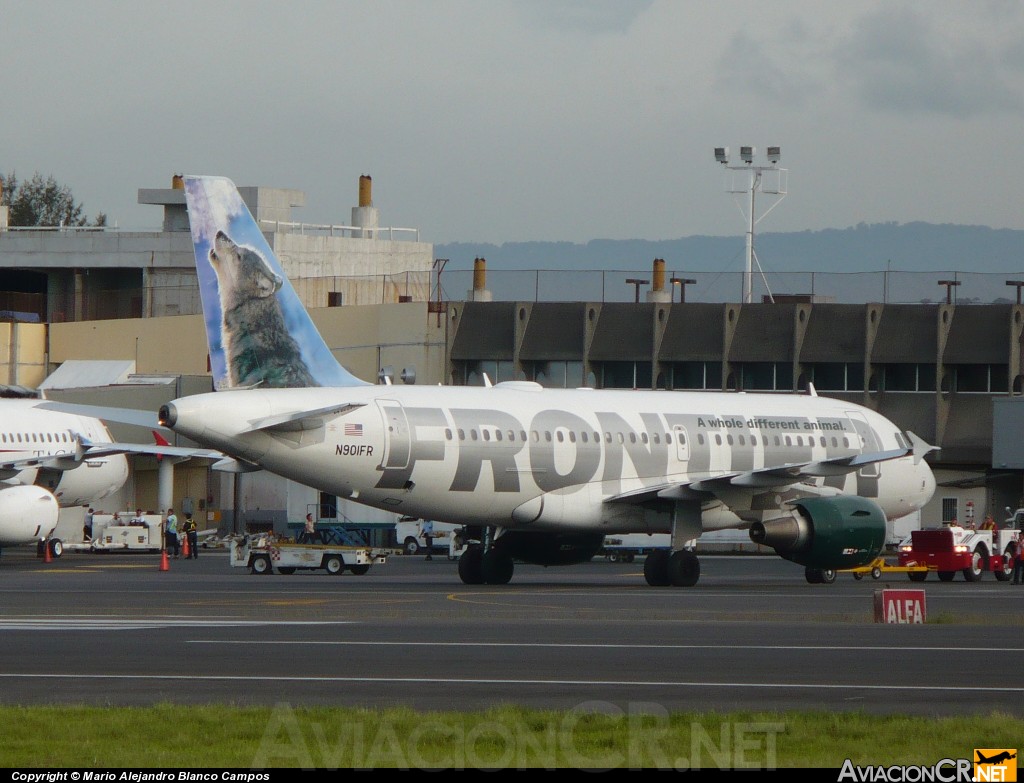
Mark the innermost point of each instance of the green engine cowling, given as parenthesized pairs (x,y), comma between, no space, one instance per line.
(837,533)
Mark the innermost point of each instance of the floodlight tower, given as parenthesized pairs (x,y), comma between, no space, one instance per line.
(766,178)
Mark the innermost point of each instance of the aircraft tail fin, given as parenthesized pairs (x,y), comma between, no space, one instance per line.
(258,331)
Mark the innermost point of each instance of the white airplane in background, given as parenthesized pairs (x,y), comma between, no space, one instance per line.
(45,464)
(52,459)
(539,475)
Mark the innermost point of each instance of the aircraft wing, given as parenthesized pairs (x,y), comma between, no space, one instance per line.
(105,449)
(140,418)
(775,476)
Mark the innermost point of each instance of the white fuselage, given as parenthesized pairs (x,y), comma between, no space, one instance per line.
(30,495)
(518,456)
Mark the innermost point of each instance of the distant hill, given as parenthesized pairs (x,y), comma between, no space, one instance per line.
(908,247)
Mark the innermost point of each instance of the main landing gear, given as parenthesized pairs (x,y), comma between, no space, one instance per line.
(664,568)
(490,567)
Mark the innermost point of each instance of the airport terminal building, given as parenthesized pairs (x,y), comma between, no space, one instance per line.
(114,318)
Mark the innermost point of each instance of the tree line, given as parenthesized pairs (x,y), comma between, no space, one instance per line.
(42,201)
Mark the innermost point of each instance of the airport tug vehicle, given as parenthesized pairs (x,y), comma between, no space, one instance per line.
(953,548)
(261,554)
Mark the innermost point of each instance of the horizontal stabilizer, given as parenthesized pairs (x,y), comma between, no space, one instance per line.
(920,446)
(231,465)
(299,420)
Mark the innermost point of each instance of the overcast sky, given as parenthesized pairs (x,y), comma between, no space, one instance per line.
(505,120)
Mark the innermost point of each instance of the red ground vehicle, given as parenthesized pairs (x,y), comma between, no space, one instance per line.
(953,548)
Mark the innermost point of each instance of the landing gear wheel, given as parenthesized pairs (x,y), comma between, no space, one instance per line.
(946,576)
(261,565)
(334,565)
(360,569)
(1007,572)
(978,566)
(56,547)
(471,566)
(496,567)
(656,569)
(917,576)
(683,568)
(411,546)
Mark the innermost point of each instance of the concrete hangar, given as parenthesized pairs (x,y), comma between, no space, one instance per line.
(113,317)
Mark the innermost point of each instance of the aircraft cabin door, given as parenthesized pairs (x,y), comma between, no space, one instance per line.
(397,444)
(682,444)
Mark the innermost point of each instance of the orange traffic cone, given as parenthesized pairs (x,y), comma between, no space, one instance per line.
(165,564)
(185,551)
(47,557)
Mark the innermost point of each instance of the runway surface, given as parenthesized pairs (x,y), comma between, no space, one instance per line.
(114,629)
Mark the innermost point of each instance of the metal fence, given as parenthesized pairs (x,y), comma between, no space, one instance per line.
(622,285)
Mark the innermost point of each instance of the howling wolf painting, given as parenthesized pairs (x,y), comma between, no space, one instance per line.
(243,287)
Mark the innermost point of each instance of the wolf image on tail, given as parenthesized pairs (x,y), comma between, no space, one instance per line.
(257,328)
(258,347)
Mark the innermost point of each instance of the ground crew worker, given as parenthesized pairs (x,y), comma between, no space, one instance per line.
(193,537)
(989,523)
(310,534)
(171,533)
(1018,563)
(427,528)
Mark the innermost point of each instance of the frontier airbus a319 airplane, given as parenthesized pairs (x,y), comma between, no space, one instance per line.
(537,475)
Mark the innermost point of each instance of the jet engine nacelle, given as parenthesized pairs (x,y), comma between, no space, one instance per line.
(27,514)
(550,548)
(836,533)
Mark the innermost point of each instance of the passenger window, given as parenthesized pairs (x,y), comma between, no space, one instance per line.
(486,434)
(718,440)
(572,436)
(560,436)
(668,439)
(743,441)
(462,434)
(447,433)
(728,439)
(700,439)
(473,435)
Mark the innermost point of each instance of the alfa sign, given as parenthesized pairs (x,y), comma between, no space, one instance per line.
(900,607)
